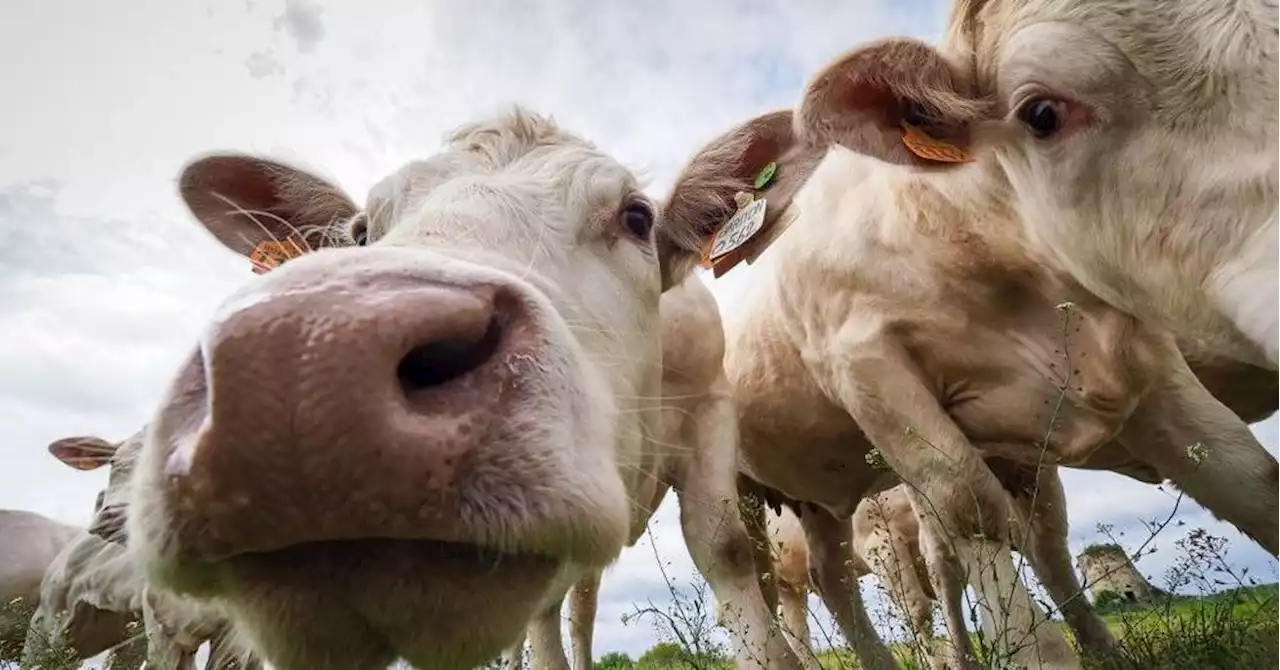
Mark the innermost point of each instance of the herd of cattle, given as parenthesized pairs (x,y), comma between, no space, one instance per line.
(1051,241)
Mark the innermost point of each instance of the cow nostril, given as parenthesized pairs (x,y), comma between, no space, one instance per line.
(436,363)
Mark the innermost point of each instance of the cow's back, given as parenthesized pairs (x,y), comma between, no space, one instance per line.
(28,544)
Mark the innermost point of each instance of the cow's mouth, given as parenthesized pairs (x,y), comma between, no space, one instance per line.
(357,552)
(364,603)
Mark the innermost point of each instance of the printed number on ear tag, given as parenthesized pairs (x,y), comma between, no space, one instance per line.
(930,148)
(738,231)
(271,254)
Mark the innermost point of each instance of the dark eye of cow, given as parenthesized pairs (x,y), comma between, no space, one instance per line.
(1043,117)
(913,113)
(360,231)
(637,218)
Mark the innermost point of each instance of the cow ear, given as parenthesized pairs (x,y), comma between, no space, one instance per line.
(702,199)
(866,99)
(83,453)
(245,201)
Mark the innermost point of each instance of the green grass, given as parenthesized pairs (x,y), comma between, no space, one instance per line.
(1232,630)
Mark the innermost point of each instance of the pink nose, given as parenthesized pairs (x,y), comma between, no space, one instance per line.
(352,407)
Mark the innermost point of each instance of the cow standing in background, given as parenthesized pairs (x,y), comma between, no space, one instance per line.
(94,597)
(29,544)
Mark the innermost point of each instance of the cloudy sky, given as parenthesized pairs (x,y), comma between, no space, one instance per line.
(105,279)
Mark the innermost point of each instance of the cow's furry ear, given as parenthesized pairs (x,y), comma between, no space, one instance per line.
(245,200)
(83,452)
(702,199)
(862,100)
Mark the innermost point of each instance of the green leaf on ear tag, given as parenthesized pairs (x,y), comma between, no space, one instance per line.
(766,175)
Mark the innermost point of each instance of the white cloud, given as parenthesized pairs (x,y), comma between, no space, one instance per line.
(301,20)
(262,64)
(106,280)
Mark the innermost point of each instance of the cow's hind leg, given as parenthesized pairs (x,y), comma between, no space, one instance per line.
(887,553)
(795,622)
(831,560)
(226,654)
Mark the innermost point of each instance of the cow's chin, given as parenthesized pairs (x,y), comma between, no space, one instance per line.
(364,603)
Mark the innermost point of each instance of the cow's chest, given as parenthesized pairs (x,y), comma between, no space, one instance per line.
(1059,375)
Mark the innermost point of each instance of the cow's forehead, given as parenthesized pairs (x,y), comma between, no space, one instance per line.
(522,147)
(1168,43)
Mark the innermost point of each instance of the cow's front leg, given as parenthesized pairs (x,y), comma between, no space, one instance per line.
(546,644)
(1042,518)
(958,498)
(717,538)
(582,618)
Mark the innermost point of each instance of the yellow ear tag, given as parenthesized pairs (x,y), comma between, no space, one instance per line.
(271,254)
(929,148)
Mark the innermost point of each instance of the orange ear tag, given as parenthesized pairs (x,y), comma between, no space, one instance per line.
(929,148)
(271,254)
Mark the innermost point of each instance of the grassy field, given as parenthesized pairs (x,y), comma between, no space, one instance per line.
(1234,629)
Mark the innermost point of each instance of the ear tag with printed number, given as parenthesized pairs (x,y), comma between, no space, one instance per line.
(746,222)
(930,148)
(271,254)
(725,249)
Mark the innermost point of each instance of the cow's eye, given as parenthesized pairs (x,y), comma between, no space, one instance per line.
(1043,116)
(637,218)
(360,230)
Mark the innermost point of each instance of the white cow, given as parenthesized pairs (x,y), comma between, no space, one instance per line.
(904,311)
(97,584)
(1135,140)
(413,448)
(29,543)
(89,603)
(885,542)
(698,457)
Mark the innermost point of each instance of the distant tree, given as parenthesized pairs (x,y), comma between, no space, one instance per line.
(672,656)
(662,655)
(615,660)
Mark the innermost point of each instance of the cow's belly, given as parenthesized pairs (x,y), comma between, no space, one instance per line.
(828,470)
